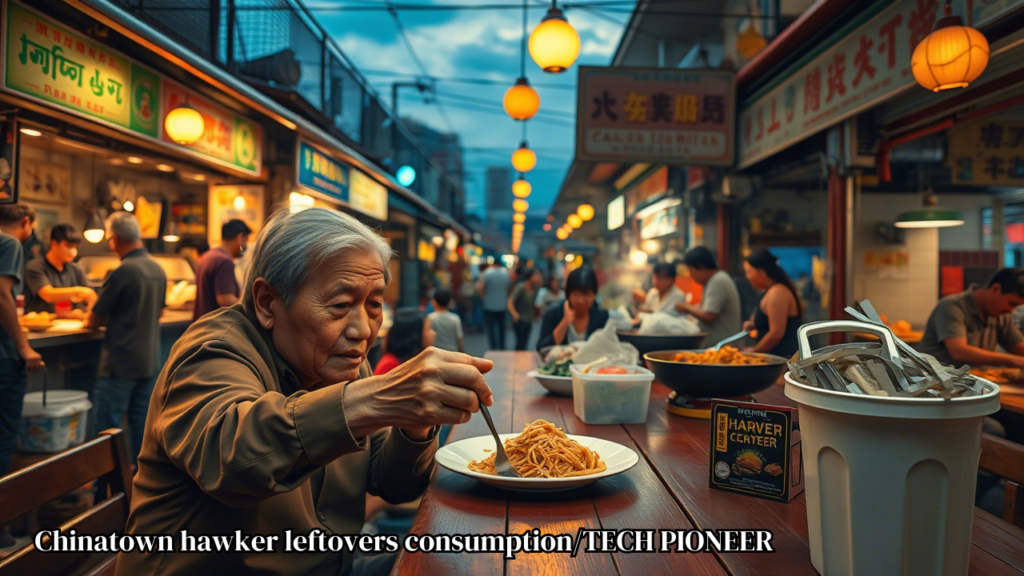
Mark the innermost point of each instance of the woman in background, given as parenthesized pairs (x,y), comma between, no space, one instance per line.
(409,335)
(576,317)
(548,295)
(778,314)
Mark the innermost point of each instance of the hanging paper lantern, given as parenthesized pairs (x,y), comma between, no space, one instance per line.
(521,188)
(554,44)
(586,212)
(952,56)
(524,159)
(520,205)
(519,217)
(184,125)
(574,220)
(521,101)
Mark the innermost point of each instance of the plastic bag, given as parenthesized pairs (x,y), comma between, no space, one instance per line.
(661,323)
(623,321)
(605,343)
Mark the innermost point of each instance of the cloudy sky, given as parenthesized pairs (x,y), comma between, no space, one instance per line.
(482,44)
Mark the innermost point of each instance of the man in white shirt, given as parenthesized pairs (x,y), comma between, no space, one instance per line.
(664,296)
(494,287)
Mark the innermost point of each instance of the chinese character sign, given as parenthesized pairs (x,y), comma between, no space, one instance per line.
(53,64)
(852,72)
(49,63)
(988,152)
(655,115)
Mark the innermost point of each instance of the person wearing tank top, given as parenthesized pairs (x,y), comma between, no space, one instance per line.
(779,313)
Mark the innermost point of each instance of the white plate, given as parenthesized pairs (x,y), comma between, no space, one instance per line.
(561,385)
(457,456)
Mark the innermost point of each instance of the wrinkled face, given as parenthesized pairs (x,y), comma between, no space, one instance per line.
(581,302)
(64,251)
(756,276)
(326,331)
(663,283)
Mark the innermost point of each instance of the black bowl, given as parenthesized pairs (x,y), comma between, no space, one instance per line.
(714,380)
(654,342)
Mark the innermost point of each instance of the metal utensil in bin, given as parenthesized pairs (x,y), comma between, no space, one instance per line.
(824,375)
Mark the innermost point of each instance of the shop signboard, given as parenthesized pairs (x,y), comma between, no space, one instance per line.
(49,63)
(367,195)
(660,223)
(988,152)
(227,137)
(655,115)
(617,213)
(864,63)
(320,173)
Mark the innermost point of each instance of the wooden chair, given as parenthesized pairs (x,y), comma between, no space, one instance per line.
(31,487)
(1004,458)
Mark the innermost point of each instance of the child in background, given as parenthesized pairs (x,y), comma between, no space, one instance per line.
(409,335)
(447,325)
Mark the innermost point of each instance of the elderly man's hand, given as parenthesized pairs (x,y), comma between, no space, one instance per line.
(434,388)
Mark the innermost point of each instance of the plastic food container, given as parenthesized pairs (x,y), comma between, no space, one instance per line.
(611,398)
(54,427)
(890,482)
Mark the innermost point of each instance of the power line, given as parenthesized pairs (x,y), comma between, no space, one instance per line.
(552,113)
(500,112)
(419,63)
(462,80)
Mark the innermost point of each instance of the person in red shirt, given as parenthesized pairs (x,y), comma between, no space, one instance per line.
(216,286)
(409,335)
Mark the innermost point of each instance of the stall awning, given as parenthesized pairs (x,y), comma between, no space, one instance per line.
(127,24)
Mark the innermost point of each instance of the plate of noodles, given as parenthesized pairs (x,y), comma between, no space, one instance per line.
(548,459)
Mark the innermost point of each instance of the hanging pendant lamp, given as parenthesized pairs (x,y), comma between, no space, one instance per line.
(952,56)
(554,44)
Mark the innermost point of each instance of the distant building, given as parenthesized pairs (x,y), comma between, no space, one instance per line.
(498,189)
(445,149)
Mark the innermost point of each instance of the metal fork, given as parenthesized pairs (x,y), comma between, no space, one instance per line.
(501,463)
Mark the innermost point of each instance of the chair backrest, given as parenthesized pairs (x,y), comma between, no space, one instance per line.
(32,487)
(1004,458)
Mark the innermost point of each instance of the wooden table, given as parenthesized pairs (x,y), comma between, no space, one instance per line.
(667,489)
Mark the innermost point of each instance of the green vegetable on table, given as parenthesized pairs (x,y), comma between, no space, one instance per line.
(557,368)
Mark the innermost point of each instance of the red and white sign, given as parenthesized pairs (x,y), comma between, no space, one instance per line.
(853,72)
(655,115)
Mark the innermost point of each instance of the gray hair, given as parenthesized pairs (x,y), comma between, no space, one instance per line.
(125,226)
(292,244)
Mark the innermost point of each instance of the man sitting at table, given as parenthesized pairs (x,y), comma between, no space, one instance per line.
(966,328)
(56,278)
(266,417)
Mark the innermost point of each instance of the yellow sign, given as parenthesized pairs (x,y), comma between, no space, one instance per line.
(367,195)
(988,152)
(54,64)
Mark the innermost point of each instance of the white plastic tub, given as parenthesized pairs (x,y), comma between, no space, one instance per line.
(54,427)
(890,481)
(611,398)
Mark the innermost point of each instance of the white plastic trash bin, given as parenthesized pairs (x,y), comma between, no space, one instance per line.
(890,482)
(57,425)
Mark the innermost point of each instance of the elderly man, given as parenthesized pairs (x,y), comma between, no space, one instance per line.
(266,419)
(130,304)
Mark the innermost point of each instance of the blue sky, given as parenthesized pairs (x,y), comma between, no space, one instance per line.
(478,44)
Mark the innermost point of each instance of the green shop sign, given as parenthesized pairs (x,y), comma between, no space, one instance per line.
(49,63)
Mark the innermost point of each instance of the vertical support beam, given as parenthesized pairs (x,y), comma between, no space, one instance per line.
(837,245)
(230,60)
(723,229)
(214,30)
